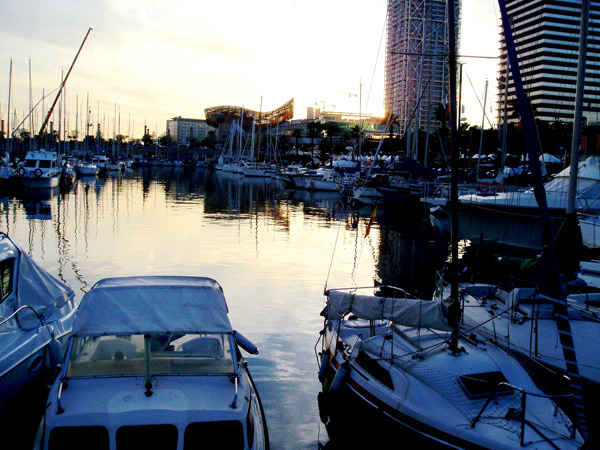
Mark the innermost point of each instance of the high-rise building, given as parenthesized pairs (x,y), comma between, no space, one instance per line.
(546,34)
(416,67)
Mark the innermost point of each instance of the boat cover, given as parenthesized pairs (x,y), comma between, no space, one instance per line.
(36,287)
(153,305)
(588,179)
(402,311)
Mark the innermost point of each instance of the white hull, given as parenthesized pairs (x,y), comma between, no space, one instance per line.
(40,182)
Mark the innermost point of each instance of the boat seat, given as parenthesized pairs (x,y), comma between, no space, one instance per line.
(203,346)
(114,349)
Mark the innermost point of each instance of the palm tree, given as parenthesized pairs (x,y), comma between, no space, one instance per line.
(297,134)
(314,131)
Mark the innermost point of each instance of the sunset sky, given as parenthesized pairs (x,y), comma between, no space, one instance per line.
(148,61)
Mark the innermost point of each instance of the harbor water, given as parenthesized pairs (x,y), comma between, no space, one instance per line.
(274,251)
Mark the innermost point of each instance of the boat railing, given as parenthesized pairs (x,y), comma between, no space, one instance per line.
(518,413)
(14,314)
(442,189)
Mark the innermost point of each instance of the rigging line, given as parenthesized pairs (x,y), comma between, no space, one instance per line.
(473,87)
(332,255)
(377,58)
(463,333)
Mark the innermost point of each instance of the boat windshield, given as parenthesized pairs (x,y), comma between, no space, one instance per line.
(191,354)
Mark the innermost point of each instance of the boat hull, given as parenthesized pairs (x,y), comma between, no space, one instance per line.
(34,182)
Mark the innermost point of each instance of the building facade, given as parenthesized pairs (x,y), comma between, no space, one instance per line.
(546,35)
(183,131)
(416,66)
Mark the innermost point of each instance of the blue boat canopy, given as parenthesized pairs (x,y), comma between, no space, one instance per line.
(34,286)
(153,305)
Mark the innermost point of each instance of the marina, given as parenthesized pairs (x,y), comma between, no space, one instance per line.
(271,249)
(348,280)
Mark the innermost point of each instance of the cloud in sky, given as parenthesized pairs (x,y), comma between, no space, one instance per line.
(156,59)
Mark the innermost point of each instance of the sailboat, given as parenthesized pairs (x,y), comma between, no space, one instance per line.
(407,363)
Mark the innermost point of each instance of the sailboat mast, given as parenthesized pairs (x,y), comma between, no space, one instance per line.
(452,64)
(62,84)
(576,142)
(8,133)
(482,125)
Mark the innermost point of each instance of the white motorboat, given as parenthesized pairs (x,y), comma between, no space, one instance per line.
(328,182)
(36,315)
(587,197)
(153,362)
(40,170)
(397,357)
(84,169)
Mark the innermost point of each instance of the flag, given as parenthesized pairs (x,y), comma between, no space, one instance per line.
(372,219)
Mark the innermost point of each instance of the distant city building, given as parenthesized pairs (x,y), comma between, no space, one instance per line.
(546,34)
(416,67)
(182,130)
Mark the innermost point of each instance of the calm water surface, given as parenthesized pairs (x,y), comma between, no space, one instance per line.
(272,249)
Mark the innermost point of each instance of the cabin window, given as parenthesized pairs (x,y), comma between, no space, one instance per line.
(30,163)
(374,368)
(191,354)
(71,438)
(135,437)
(45,164)
(6,278)
(229,434)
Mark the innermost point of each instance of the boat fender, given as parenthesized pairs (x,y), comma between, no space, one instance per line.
(245,343)
(38,172)
(55,353)
(325,357)
(340,377)
(21,171)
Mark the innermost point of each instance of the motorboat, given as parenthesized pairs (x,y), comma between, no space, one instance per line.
(401,360)
(587,197)
(36,315)
(84,169)
(40,170)
(328,182)
(153,362)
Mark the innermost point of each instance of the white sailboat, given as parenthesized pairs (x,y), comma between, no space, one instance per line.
(397,357)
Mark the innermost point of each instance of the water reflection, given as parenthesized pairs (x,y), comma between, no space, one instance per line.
(272,249)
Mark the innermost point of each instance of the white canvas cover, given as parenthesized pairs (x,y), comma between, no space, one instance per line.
(154,305)
(588,179)
(36,287)
(402,311)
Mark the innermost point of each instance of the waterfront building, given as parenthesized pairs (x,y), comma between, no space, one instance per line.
(183,130)
(416,66)
(546,34)
(223,117)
